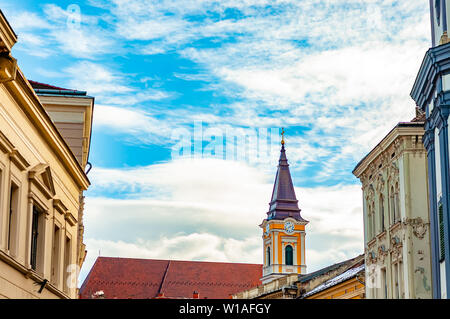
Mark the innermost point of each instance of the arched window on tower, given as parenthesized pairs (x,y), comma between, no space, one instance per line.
(268,255)
(289,255)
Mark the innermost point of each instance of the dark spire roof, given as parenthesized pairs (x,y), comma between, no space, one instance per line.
(284,203)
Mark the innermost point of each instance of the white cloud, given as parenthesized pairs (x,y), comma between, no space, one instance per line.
(208,209)
(96,78)
(27,20)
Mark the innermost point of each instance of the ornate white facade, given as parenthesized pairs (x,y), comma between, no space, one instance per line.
(396,221)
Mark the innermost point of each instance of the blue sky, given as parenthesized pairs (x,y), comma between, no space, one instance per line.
(336,74)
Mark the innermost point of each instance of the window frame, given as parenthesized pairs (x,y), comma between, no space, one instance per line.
(289,254)
(13,215)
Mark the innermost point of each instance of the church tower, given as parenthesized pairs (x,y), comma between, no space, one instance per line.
(284,227)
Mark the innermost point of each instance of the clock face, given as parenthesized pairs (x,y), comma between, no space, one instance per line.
(289,227)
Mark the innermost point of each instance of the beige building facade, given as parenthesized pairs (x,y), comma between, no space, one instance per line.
(396,218)
(42,180)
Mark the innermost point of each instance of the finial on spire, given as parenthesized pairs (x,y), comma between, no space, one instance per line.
(282,136)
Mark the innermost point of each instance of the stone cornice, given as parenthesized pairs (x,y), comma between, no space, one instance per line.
(7,36)
(59,206)
(393,139)
(5,145)
(70,218)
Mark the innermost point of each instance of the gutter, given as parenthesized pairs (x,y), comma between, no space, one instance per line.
(60,92)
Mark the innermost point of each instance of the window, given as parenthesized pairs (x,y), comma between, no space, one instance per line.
(67,261)
(372,217)
(397,204)
(395,277)
(55,255)
(441,233)
(289,255)
(381,213)
(34,237)
(392,206)
(400,279)
(12,217)
(384,283)
(371,226)
(268,256)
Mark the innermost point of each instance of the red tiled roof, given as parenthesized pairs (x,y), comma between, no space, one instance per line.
(149,278)
(42,86)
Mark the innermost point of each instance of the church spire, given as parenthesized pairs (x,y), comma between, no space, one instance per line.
(284,203)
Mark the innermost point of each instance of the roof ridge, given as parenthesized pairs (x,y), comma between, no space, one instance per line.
(184,261)
(53,87)
(164,278)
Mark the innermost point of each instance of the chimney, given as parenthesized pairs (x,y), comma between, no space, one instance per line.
(196,295)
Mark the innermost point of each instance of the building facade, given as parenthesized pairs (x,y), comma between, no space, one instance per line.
(395,210)
(431,92)
(343,280)
(284,228)
(41,188)
(349,284)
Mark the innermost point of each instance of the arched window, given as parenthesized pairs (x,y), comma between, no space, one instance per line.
(381,205)
(373,220)
(392,206)
(289,255)
(268,255)
(397,203)
(369,223)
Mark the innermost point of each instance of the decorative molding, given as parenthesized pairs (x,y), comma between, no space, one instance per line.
(418,226)
(444,38)
(18,160)
(8,68)
(14,155)
(70,218)
(7,36)
(371,258)
(394,171)
(379,183)
(370,194)
(371,242)
(382,253)
(396,248)
(5,145)
(59,206)
(40,176)
(33,198)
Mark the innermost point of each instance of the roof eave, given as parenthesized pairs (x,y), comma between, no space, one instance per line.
(7,35)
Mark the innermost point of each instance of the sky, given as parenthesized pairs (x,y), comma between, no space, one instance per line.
(190,98)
